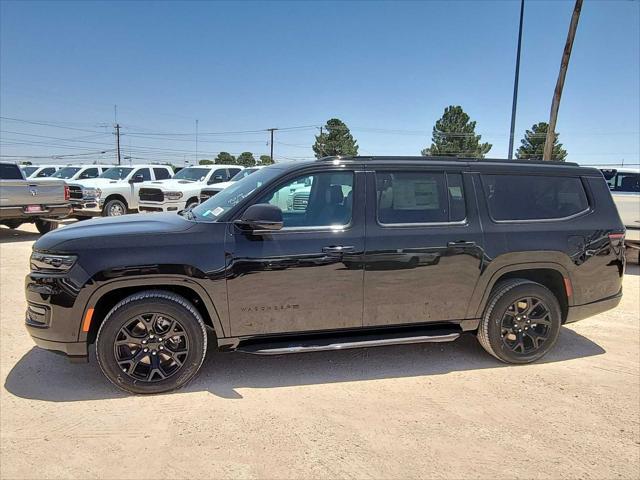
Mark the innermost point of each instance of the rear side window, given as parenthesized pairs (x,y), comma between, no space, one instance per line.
(161,173)
(233,172)
(10,172)
(419,197)
(533,197)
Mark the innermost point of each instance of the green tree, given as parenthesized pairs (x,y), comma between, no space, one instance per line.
(335,140)
(205,162)
(246,159)
(455,136)
(532,145)
(225,158)
(265,160)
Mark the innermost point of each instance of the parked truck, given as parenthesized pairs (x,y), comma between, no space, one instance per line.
(31,201)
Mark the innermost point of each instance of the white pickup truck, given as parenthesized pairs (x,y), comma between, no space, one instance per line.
(624,183)
(183,190)
(115,192)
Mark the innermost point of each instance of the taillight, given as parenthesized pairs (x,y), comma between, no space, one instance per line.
(66,192)
(616,239)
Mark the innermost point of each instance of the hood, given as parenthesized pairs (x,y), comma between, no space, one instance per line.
(219,186)
(110,230)
(169,184)
(94,182)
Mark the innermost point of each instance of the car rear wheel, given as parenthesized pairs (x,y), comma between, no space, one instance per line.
(521,323)
(114,208)
(45,227)
(151,342)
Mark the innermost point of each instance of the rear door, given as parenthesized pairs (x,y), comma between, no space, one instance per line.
(423,246)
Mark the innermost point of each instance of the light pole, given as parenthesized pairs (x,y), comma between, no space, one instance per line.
(515,83)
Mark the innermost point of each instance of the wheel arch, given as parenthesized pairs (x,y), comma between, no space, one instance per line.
(192,199)
(116,196)
(108,295)
(552,275)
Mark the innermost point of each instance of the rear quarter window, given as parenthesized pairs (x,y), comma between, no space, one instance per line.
(533,197)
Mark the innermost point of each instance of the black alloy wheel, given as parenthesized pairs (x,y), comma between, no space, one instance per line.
(526,325)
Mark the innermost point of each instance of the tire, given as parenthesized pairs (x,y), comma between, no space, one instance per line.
(128,366)
(12,224)
(114,208)
(192,205)
(45,227)
(507,323)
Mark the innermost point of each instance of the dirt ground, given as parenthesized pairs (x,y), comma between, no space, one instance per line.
(416,411)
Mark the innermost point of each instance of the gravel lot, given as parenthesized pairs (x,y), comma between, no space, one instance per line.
(428,411)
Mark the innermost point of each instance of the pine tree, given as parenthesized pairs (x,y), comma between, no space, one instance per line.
(335,140)
(533,144)
(225,158)
(265,160)
(455,136)
(246,159)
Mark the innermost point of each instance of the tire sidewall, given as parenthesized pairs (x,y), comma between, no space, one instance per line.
(499,309)
(45,227)
(117,319)
(110,203)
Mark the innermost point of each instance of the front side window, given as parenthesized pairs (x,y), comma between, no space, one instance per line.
(89,173)
(46,172)
(217,176)
(533,197)
(116,173)
(146,174)
(316,200)
(28,171)
(192,174)
(626,182)
(66,172)
(404,197)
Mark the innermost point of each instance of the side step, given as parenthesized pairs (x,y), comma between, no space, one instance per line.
(319,344)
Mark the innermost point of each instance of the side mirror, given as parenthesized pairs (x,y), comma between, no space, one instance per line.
(261,217)
(137,178)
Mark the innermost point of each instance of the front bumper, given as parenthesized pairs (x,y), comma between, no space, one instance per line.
(161,207)
(47,211)
(89,208)
(580,312)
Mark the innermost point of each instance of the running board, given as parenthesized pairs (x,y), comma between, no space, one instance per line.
(336,343)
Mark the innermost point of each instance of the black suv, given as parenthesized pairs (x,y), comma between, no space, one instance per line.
(333,254)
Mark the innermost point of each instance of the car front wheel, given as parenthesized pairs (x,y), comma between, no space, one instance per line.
(114,208)
(151,342)
(521,323)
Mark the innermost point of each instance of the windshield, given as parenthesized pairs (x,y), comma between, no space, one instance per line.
(193,174)
(213,208)
(66,172)
(116,173)
(243,173)
(28,170)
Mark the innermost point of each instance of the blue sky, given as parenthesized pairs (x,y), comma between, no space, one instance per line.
(386,69)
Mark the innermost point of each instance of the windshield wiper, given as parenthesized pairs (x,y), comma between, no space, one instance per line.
(187,213)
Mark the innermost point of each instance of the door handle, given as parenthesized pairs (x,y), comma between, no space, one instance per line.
(461,243)
(337,249)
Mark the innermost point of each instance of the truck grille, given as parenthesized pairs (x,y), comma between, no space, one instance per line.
(151,195)
(75,192)
(206,195)
(300,200)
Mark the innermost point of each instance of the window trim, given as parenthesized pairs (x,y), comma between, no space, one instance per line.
(281,182)
(463,222)
(585,189)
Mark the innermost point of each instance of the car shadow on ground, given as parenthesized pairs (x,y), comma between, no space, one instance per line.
(45,376)
(8,235)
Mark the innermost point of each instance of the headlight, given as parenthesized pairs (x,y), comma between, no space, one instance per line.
(172,195)
(52,263)
(91,192)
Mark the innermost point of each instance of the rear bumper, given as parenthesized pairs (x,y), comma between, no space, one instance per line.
(48,211)
(580,312)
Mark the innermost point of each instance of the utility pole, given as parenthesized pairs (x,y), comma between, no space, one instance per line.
(321,143)
(271,142)
(118,141)
(515,83)
(196,141)
(564,64)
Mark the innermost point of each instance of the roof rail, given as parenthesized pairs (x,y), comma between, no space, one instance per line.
(446,159)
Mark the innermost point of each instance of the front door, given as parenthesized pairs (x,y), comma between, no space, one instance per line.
(307,276)
(423,254)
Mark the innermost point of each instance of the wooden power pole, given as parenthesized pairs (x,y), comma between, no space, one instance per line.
(118,141)
(271,142)
(515,83)
(564,64)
